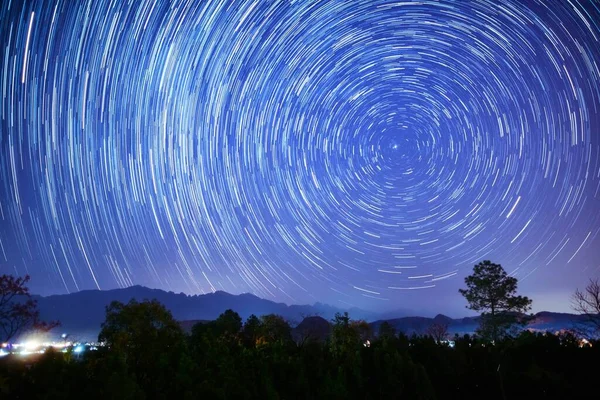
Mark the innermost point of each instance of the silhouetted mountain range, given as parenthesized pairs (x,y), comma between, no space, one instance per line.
(543,321)
(81,314)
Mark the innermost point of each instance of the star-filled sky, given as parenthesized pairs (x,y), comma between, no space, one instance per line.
(358,153)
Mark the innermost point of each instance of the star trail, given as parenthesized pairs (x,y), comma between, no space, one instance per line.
(362,153)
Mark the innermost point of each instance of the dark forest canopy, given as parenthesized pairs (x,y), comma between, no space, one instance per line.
(149,356)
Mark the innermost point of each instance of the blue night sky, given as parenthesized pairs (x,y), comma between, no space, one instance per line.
(357,153)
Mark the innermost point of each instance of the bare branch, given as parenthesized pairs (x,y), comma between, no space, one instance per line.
(587,303)
(438,331)
(18,311)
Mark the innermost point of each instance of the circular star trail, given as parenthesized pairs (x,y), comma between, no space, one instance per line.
(346,151)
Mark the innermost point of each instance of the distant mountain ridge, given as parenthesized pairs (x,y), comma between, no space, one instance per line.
(82,313)
(543,321)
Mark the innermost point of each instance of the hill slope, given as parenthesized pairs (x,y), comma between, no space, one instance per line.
(81,314)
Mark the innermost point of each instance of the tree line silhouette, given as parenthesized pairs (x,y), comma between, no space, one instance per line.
(149,356)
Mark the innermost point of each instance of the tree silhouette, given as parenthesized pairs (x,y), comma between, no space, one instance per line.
(149,340)
(492,291)
(386,331)
(18,311)
(587,302)
(438,331)
(251,331)
(275,329)
(228,323)
(345,338)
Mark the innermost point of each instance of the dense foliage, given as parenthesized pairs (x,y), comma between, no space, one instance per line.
(491,291)
(150,357)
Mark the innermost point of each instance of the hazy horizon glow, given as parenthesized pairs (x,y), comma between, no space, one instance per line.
(356,153)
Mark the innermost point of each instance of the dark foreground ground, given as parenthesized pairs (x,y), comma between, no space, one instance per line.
(149,356)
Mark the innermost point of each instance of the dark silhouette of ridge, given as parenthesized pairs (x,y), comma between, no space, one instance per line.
(82,313)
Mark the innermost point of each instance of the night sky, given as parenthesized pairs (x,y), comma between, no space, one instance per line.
(357,153)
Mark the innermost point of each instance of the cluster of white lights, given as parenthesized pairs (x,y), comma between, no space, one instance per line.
(36,347)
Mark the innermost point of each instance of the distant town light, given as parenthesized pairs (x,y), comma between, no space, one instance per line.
(31,345)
